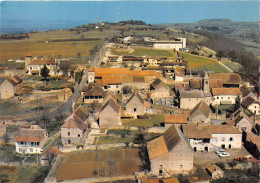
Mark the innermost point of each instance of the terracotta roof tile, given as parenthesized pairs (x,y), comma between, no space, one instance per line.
(215,83)
(52,150)
(111,79)
(203,107)
(226,91)
(30,134)
(94,90)
(177,118)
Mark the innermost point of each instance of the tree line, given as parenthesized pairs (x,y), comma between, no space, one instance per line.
(235,51)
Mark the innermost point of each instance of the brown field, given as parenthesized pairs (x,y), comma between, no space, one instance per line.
(95,164)
(36,44)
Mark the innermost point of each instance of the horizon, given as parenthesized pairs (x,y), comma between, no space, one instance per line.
(45,15)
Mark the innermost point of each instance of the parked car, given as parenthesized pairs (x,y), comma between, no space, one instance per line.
(220,151)
(224,154)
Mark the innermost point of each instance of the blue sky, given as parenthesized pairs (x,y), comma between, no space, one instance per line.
(66,13)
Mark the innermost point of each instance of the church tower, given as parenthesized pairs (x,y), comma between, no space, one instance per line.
(206,83)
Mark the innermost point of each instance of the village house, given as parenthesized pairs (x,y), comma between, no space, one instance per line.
(178,77)
(152,61)
(30,139)
(170,44)
(225,95)
(74,127)
(170,154)
(108,97)
(64,94)
(215,172)
(240,120)
(10,86)
(35,66)
(93,93)
(200,113)
(160,93)
(49,155)
(136,106)
(207,137)
(252,104)
(2,128)
(109,114)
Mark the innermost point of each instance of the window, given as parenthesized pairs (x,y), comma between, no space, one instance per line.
(228,97)
(160,172)
(217,97)
(206,82)
(223,139)
(68,141)
(31,149)
(68,133)
(21,143)
(221,97)
(135,109)
(231,139)
(117,86)
(32,144)
(78,135)
(20,149)
(38,143)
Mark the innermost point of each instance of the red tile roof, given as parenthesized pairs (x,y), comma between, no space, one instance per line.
(226,91)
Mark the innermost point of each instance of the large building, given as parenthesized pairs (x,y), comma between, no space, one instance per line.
(170,44)
(170,153)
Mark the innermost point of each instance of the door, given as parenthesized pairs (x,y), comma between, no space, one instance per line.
(206,149)
(229,146)
(223,146)
(68,141)
(195,149)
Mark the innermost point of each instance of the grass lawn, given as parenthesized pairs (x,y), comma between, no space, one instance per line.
(114,140)
(203,63)
(143,51)
(154,120)
(8,153)
(232,65)
(12,132)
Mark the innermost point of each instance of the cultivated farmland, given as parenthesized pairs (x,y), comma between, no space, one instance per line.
(97,164)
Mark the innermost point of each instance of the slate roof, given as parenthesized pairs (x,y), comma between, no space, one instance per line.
(138,79)
(113,104)
(191,94)
(227,78)
(226,91)
(203,107)
(165,143)
(80,114)
(215,83)
(156,83)
(236,117)
(206,131)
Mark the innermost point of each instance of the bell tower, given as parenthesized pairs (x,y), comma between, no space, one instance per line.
(206,83)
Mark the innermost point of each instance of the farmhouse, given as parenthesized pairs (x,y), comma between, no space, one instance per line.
(34,67)
(176,119)
(190,98)
(10,86)
(30,139)
(93,92)
(206,137)
(225,95)
(170,153)
(74,127)
(170,44)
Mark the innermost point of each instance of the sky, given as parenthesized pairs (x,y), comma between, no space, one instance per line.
(16,15)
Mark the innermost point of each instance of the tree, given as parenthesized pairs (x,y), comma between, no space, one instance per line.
(65,67)
(6,138)
(220,54)
(127,89)
(45,72)
(238,103)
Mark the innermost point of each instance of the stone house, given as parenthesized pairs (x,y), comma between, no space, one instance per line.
(2,128)
(160,93)
(48,155)
(225,95)
(200,113)
(64,94)
(215,172)
(30,139)
(251,104)
(240,120)
(74,127)
(188,99)
(170,153)
(10,86)
(136,106)
(207,137)
(108,97)
(92,93)
(109,115)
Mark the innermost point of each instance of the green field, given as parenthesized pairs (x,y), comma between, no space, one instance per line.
(154,120)
(232,65)
(203,63)
(142,51)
